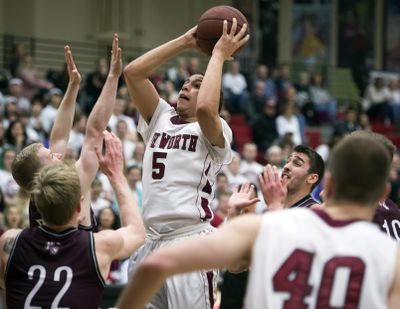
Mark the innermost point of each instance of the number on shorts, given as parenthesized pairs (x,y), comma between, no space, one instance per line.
(293,277)
(39,283)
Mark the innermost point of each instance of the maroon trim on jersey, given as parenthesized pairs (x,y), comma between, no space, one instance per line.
(333,222)
(178,120)
(210,276)
(204,205)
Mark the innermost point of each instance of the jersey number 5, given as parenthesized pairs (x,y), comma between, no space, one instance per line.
(39,283)
(158,166)
(294,273)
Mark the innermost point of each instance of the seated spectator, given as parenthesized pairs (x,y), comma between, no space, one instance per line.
(394,99)
(15,89)
(235,89)
(262,75)
(264,127)
(77,134)
(303,98)
(16,135)
(13,218)
(221,187)
(349,124)
(179,73)
(222,210)
(11,112)
(282,81)
(30,77)
(35,121)
(134,178)
(232,172)
(8,185)
(97,202)
(376,101)
(288,122)
(324,104)
(48,114)
(256,102)
(95,81)
(128,146)
(249,167)
(138,153)
(118,114)
(274,156)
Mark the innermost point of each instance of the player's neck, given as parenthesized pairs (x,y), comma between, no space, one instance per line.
(60,228)
(349,211)
(294,197)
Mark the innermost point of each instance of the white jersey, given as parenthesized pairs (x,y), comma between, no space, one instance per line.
(179,169)
(304,259)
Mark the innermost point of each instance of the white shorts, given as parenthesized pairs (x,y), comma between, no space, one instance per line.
(187,291)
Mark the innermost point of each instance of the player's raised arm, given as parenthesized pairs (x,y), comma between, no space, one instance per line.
(209,93)
(137,72)
(87,165)
(227,246)
(111,245)
(65,115)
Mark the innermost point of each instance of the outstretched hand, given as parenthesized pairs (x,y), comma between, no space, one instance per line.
(73,73)
(230,42)
(112,163)
(241,199)
(273,188)
(116,58)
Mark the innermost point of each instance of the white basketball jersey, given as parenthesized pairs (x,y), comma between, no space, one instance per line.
(304,259)
(179,169)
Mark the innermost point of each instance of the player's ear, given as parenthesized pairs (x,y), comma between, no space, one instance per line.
(386,192)
(312,178)
(328,186)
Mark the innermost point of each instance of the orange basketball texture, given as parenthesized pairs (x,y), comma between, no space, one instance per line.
(210,25)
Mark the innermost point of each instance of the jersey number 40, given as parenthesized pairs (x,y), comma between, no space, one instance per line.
(293,277)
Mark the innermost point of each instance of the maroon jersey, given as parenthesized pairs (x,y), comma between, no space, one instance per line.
(35,218)
(387,216)
(47,269)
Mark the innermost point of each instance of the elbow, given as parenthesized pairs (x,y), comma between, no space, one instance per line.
(132,72)
(204,110)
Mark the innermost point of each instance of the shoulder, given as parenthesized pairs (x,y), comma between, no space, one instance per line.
(7,240)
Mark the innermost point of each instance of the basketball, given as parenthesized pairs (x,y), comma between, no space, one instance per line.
(210,25)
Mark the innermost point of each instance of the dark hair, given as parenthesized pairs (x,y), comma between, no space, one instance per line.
(317,165)
(360,168)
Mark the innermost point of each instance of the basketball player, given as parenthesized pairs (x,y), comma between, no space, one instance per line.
(32,158)
(184,151)
(387,214)
(301,258)
(57,265)
(302,172)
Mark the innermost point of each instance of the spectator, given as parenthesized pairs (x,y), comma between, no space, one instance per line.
(13,218)
(179,73)
(15,88)
(232,171)
(394,99)
(118,114)
(264,128)
(324,105)
(376,101)
(349,124)
(127,144)
(249,167)
(30,77)
(274,156)
(235,89)
(269,84)
(256,102)
(77,134)
(221,212)
(97,202)
(16,135)
(138,153)
(134,178)
(288,123)
(94,84)
(48,114)
(8,186)
(282,81)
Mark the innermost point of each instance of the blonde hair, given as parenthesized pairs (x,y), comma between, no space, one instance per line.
(25,165)
(57,192)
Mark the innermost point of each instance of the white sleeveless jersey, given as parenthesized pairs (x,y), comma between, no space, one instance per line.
(179,169)
(304,259)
